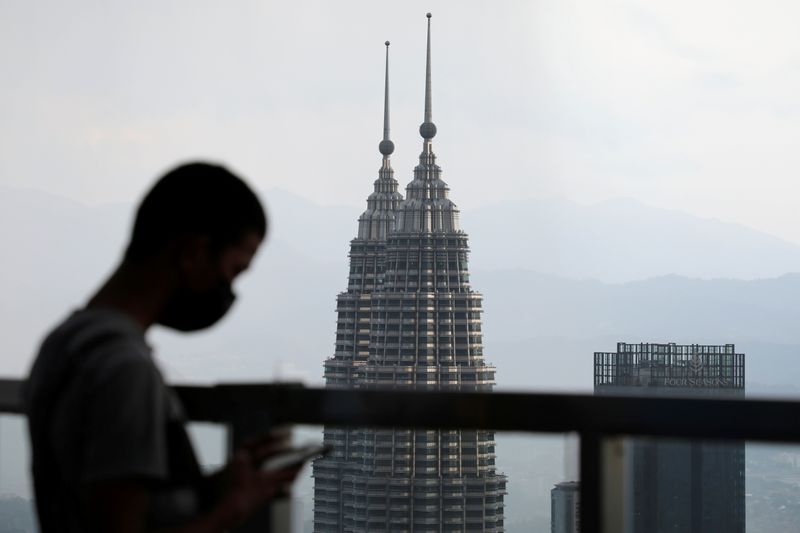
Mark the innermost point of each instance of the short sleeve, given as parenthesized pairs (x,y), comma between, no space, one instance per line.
(125,431)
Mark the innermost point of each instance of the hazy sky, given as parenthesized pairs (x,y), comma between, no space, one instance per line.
(690,105)
(685,104)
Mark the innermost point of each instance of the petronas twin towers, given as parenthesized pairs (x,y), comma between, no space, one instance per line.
(409,320)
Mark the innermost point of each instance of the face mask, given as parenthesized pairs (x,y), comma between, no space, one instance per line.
(188,310)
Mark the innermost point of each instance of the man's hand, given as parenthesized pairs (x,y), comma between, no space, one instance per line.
(243,487)
(264,447)
(249,488)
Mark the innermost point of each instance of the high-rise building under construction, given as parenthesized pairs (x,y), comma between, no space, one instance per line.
(409,320)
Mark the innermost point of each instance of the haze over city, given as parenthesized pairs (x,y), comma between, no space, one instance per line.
(626,171)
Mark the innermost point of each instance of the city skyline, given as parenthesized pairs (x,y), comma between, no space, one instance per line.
(688,108)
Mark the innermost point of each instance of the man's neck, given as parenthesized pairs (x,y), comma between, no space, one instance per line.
(137,289)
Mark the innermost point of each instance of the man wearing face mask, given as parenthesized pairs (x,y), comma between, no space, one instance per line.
(109,447)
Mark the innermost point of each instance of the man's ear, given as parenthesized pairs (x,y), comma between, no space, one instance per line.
(192,251)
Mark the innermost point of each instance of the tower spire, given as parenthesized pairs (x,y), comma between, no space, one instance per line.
(386,146)
(428,128)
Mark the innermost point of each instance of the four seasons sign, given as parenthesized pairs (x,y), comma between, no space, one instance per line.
(694,376)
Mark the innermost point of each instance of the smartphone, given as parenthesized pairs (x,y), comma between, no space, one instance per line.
(294,457)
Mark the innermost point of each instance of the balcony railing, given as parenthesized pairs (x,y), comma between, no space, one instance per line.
(599,421)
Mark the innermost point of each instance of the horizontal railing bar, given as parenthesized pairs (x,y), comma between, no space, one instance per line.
(267,404)
(769,420)
(11,396)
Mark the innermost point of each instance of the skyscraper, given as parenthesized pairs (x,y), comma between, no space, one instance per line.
(410,320)
(565,508)
(353,327)
(685,486)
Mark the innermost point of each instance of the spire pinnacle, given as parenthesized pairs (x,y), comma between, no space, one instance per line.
(428,128)
(386,146)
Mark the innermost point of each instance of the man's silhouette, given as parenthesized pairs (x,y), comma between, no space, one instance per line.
(110,451)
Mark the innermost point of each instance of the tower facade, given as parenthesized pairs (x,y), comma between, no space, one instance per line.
(688,486)
(353,327)
(424,333)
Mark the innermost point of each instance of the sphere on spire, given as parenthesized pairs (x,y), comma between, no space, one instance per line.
(386,147)
(427,130)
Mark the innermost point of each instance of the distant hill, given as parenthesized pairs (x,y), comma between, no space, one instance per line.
(540,329)
(621,240)
(614,241)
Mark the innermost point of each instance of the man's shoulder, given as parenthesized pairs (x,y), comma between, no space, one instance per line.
(97,405)
(92,343)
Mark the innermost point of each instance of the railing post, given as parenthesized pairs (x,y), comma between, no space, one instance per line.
(603,476)
(614,484)
(590,505)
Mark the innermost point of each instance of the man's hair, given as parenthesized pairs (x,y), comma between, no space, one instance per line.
(195,199)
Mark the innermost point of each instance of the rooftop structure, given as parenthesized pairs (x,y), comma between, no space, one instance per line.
(691,368)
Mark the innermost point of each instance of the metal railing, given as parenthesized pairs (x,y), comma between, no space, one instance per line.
(599,421)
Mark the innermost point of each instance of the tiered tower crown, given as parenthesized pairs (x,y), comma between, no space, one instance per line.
(379,218)
(427,207)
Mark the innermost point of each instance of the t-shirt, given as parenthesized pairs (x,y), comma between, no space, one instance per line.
(99,410)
